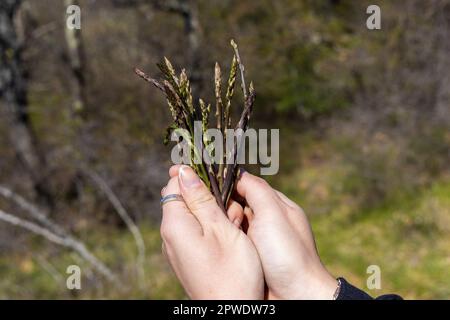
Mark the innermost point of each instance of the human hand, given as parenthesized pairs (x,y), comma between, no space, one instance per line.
(285,243)
(211,256)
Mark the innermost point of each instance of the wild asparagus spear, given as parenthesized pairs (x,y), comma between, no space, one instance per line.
(179,99)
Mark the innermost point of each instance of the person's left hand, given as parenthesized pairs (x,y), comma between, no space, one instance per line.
(211,256)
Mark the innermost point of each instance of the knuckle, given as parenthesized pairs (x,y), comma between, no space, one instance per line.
(172,186)
(202,201)
(167,232)
(292,206)
(261,183)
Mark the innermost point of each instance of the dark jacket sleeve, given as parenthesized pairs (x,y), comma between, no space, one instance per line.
(349,292)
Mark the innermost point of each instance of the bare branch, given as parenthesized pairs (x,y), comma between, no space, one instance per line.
(126,218)
(30,226)
(47,266)
(65,241)
(31,209)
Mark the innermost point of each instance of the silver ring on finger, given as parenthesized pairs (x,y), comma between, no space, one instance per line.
(170,198)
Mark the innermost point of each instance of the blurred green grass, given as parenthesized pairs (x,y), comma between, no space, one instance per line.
(405,232)
(410,243)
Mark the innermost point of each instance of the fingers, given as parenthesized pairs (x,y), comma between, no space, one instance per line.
(291,204)
(248,212)
(235,213)
(257,193)
(198,198)
(177,221)
(173,171)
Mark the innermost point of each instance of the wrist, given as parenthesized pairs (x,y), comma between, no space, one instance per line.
(321,286)
(327,288)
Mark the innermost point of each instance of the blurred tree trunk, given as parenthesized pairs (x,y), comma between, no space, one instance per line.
(188,11)
(13,93)
(77,64)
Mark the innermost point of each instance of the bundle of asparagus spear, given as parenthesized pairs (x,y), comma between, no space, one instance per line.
(219,176)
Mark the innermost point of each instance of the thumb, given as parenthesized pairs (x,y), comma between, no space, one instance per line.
(258,194)
(197,197)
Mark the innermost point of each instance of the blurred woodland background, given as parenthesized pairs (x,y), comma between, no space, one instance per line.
(364,129)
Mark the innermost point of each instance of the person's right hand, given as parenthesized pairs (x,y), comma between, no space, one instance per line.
(283,238)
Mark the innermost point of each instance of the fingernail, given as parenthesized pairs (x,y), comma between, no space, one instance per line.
(237,222)
(188,177)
